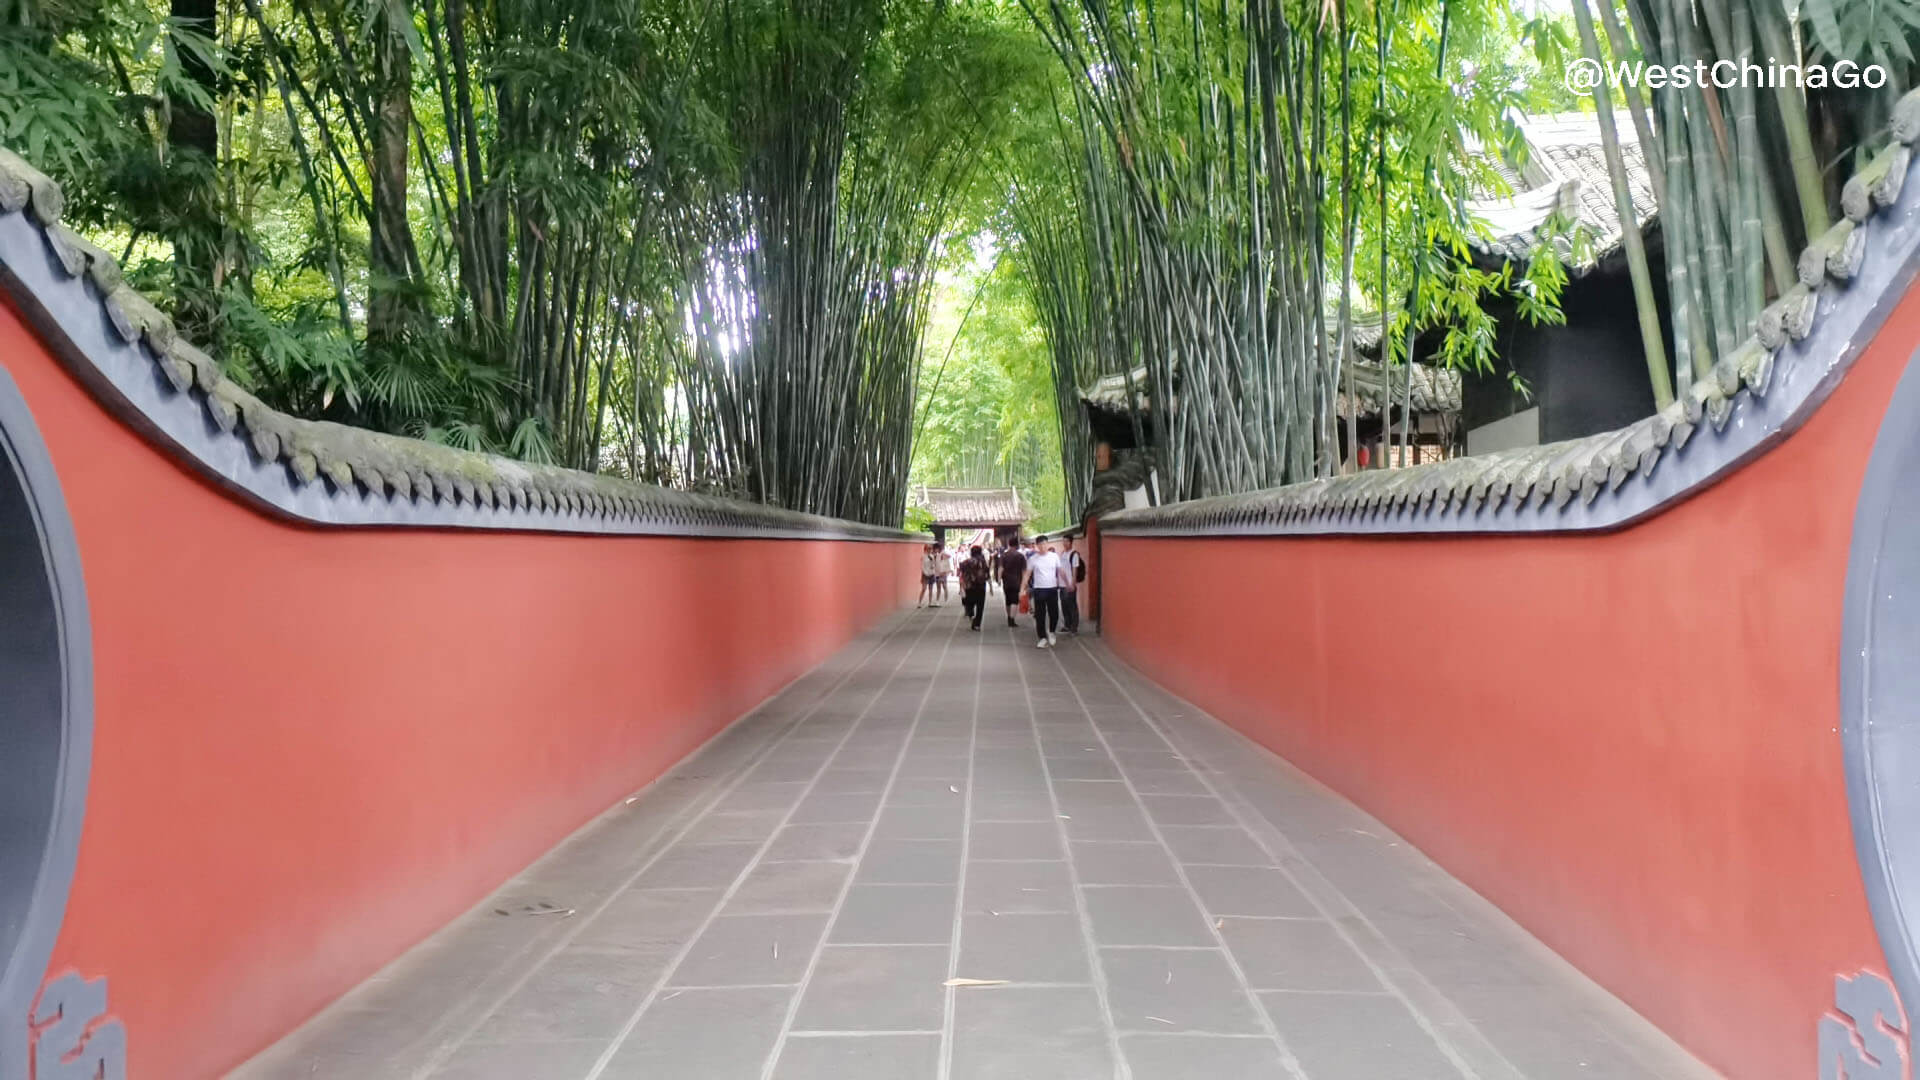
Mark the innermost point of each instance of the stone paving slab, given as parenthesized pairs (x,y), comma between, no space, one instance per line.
(1116,885)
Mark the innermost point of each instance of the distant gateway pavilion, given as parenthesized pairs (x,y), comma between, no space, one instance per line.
(974,509)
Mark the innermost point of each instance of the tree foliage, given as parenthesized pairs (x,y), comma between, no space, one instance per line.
(688,241)
(1244,179)
(1745,175)
(986,396)
(698,241)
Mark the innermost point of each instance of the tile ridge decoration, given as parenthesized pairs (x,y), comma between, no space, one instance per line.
(127,353)
(1756,395)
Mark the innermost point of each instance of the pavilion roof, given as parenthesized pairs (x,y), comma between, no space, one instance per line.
(973,506)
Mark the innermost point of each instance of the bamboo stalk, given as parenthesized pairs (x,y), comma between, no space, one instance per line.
(1651,341)
(1804,165)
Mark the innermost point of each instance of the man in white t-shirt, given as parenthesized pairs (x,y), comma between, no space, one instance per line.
(942,570)
(1043,584)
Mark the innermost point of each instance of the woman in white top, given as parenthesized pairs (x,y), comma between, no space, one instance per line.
(943,569)
(929,566)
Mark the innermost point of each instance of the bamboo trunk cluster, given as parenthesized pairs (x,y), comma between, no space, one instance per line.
(1192,259)
(802,279)
(692,242)
(1733,169)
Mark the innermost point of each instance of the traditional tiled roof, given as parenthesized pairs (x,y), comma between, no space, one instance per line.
(127,352)
(1367,329)
(1755,396)
(1566,171)
(972,506)
(1434,389)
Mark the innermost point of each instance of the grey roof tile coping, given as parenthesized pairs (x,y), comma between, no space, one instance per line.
(968,506)
(128,354)
(1757,395)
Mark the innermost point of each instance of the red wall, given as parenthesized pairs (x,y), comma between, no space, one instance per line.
(313,748)
(1628,742)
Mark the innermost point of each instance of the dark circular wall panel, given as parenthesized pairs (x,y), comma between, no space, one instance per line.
(46,717)
(1880,684)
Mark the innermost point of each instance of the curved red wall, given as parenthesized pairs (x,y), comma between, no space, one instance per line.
(314,747)
(1627,741)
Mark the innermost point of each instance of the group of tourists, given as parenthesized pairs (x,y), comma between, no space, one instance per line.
(936,566)
(1043,576)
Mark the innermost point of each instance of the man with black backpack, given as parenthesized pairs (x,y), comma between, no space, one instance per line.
(1073,571)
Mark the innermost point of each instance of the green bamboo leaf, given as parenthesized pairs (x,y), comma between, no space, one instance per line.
(1825,21)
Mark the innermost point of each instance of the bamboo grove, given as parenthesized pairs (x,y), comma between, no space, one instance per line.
(691,242)
(1246,176)
(1744,175)
(697,241)
(800,281)
(1249,179)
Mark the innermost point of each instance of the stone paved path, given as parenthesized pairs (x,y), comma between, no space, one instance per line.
(1149,895)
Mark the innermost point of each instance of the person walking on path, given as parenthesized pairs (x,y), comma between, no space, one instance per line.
(973,586)
(1013,571)
(928,565)
(1043,584)
(942,569)
(1073,571)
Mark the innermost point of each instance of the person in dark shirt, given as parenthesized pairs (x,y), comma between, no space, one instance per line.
(1013,569)
(1073,571)
(973,586)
